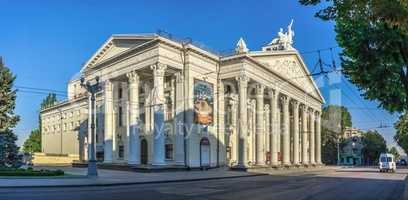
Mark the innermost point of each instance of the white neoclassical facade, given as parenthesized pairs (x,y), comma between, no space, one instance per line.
(167,102)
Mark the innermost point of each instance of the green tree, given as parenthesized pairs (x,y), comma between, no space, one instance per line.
(8,119)
(394,151)
(374,144)
(49,101)
(374,38)
(335,119)
(33,142)
(401,136)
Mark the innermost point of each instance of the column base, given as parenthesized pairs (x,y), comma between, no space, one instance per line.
(108,161)
(159,164)
(133,162)
(239,167)
(92,169)
(179,162)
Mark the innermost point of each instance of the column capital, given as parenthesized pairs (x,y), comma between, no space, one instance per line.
(108,85)
(284,99)
(179,77)
(267,108)
(304,107)
(242,79)
(133,77)
(158,69)
(271,92)
(259,89)
(234,97)
(295,103)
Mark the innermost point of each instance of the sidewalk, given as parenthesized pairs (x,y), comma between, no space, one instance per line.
(295,171)
(112,177)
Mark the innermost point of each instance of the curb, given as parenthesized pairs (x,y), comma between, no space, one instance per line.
(130,183)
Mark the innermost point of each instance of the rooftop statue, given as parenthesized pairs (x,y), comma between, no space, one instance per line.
(241,46)
(284,40)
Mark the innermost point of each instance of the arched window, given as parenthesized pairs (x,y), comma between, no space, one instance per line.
(168,149)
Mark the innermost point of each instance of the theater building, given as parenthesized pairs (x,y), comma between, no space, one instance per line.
(167,102)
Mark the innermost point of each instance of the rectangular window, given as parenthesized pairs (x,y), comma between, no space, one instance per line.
(120,93)
(169,151)
(121,151)
(120,116)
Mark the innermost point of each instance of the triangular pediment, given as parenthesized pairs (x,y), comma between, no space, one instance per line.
(291,67)
(116,45)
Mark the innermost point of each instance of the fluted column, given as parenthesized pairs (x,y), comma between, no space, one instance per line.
(305,159)
(147,107)
(267,138)
(234,131)
(295,105)
(286,133)
(158,107)
(252,131)
(108,147)
(312,137)
(221,156)
(274,126)
(179,119)
(318,139)
(134,142)
(243,80)
(260,155)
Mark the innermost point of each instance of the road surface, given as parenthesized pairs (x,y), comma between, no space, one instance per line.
(355,183)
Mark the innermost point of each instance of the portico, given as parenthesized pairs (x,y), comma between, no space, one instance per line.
(168,103)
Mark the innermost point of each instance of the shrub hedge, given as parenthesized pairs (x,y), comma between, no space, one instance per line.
(9,171)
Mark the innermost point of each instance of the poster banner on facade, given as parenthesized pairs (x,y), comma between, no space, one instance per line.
(203,102)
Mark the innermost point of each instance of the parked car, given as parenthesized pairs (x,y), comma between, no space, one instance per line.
(387,163)
(403,162)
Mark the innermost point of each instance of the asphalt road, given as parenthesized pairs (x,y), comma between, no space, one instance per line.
(347,184)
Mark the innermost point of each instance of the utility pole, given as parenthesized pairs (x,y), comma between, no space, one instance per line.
(92,89)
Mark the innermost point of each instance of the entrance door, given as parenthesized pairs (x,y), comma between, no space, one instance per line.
(143,152)
(205,152)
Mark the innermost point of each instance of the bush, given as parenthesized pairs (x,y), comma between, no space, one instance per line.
(8,171)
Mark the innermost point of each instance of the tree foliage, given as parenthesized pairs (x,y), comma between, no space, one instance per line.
(49,101)
(334,121)
(374,38)
(33,142)
(401,136)
(8,149)
(8,119)
(394,151)
(374,144)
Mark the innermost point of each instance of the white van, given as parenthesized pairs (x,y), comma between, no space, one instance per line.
(387,162)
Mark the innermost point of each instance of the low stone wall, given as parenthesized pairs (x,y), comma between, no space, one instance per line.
(45,159)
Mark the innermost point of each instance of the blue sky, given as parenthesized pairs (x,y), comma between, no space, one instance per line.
(46,42)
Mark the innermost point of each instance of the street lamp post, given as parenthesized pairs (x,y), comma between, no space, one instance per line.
(92,89)
(338,151)
(61,123)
